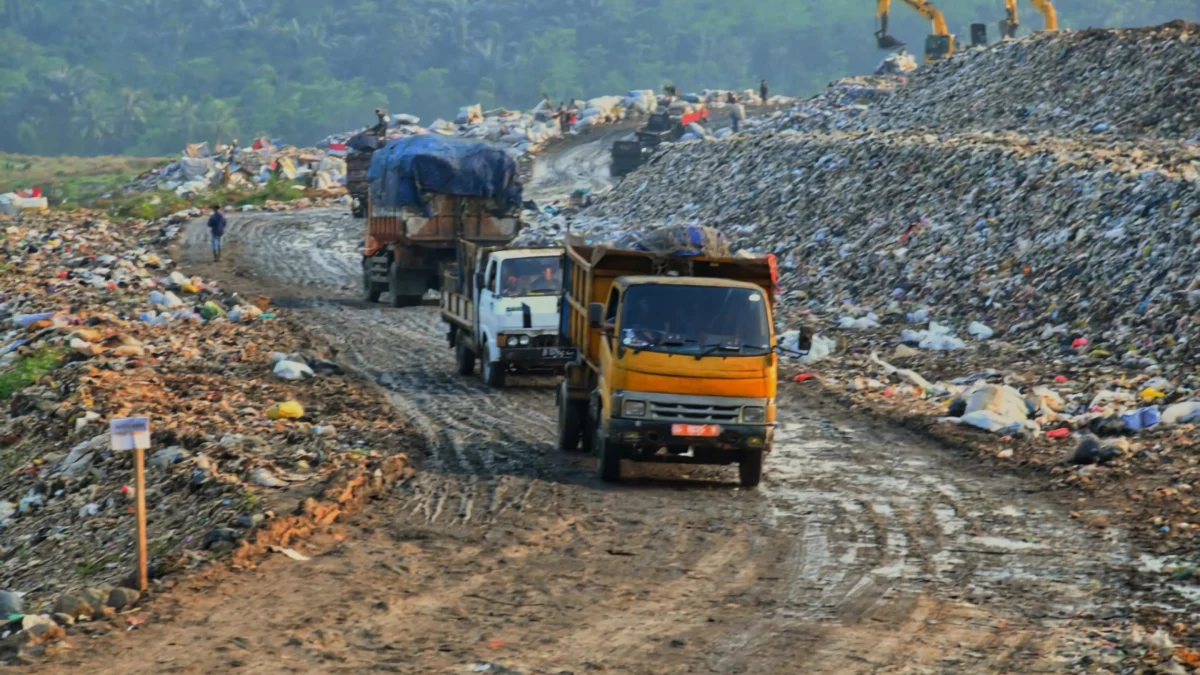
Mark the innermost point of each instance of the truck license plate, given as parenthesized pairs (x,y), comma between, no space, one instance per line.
(703,430)
(558,353)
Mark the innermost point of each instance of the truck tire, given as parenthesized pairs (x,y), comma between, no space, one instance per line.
(608,460)
(492,375)
(591,413)
(571,416)
(464,358)
(371,290)
(400,291)
(750,468)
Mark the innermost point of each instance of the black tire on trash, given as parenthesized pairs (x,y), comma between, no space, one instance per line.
(492,375)
(571,416)
(464,358)
(750,468)
(608,460)
(371,290)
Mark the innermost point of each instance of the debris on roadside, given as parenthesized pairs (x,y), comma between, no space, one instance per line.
(99,324)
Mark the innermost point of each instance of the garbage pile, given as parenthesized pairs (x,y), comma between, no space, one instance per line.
(1025,238)
(842,106)
(245,414)
(1125,83)
(201,169)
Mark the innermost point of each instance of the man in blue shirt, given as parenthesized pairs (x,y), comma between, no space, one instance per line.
(216,224)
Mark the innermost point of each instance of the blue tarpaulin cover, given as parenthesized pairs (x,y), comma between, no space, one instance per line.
(406,167)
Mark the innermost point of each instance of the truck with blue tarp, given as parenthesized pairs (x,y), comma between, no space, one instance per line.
(428,193)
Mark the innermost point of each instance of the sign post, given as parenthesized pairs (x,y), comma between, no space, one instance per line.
(133,433)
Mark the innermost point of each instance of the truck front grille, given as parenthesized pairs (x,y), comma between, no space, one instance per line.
(694,413)
(544,341)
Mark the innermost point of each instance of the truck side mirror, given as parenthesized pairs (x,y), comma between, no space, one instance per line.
(596,315)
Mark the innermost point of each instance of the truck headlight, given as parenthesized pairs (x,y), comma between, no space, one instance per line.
(633,409)
(754,415)
(523,340)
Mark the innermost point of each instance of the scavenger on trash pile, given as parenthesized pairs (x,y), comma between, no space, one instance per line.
(246,415)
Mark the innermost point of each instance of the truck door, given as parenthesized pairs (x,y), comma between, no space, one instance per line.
(608,347)
(487,303)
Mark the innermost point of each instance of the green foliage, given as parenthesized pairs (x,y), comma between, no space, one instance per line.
(28,370)
(70,181)
(147,76)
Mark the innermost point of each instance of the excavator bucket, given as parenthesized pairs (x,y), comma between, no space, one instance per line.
(886,41)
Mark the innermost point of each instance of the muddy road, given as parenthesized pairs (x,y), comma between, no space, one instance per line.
(865,550)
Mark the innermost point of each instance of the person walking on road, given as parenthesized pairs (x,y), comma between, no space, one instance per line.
(216,225)
(762,91)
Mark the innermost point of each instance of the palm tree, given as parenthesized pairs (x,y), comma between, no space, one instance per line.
(131,112)
(187,117)
(221,120)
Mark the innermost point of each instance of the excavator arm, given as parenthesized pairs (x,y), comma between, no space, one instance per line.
(938,45)
(1008,27)
(1046,7)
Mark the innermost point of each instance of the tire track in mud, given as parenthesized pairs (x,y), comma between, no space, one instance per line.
(856,528)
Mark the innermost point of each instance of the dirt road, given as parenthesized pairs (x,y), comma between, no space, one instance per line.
(866,549)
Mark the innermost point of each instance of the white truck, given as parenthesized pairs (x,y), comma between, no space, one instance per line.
(503,307)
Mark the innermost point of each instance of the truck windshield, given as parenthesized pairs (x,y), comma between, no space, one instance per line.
(531,276)
(696,320)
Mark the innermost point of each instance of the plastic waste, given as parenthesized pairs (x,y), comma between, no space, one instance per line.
(980,331)
(868,321)
(288,410)
(822,348)
(1150,394)
(211,310)
(1185,412)
(1142,418)
(26,320)
(292,370)
(919,316)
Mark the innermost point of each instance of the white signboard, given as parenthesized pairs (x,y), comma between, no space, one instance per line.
(130,433)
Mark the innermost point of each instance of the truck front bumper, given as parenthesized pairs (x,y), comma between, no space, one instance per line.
(525,358)
(654,434)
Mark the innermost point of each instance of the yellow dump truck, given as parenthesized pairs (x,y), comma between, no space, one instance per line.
(677,360)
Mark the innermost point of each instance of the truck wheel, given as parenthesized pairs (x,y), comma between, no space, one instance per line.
(401,292)
(750,468)
(371,290)
(608,460)
(493,374)
(570,420)
(464,358)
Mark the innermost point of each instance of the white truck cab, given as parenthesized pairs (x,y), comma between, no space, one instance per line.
(503,308)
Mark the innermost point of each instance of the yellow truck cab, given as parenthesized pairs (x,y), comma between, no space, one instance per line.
(677,360)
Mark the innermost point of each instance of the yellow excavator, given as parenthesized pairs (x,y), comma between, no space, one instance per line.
(1008,27)
(938,45)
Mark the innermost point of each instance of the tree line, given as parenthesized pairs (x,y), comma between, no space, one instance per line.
(146,76)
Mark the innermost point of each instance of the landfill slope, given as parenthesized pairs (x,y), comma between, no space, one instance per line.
(867,545)
(1018,235)
(1127,83)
